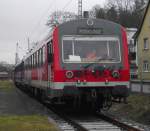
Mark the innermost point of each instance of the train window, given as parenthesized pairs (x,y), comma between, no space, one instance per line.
(68,50)
(35,59)
(39,57)
(32,61)
(40,60)
(27,62)
(91,49)
(113,53)
(43,54)
(50,52)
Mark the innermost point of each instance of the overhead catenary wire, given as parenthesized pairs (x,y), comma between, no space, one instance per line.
(41,17)
(43,14)
(68,3)
(34,35)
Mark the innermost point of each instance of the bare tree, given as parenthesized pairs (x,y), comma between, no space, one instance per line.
(121,4)
(112,14)
(59,17)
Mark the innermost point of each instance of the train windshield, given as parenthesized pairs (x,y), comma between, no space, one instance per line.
(91,50)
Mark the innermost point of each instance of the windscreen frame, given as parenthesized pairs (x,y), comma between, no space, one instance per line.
(90,38)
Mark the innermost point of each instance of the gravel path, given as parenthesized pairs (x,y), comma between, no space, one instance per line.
(15,102)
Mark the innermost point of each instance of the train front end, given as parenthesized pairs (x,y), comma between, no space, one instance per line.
(90,62)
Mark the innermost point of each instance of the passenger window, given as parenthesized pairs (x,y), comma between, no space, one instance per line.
(37,58)
(40,57)
(50,52)
(43,54)
(32,61)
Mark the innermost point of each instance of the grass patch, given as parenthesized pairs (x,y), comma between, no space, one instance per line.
(6,85)
(137,109)
(26,123)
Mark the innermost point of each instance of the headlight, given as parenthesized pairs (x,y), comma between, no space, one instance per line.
(116,74)
(69,74)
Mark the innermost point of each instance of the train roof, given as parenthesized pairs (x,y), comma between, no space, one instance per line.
(78,21)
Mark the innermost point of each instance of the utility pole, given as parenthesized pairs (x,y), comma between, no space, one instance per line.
(28,44)
(79,9)
(16,56)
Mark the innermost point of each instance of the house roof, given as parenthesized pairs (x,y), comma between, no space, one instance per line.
(140,28)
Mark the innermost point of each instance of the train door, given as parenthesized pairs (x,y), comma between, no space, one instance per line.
(50,60)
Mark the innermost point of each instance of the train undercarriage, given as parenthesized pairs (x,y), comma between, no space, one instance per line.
(89,98)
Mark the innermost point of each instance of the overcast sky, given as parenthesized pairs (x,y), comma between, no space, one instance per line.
(20,19)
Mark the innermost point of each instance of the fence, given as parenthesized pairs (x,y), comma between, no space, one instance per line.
(140,87)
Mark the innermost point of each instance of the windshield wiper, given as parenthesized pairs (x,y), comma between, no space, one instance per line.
(97,60)
(87,66)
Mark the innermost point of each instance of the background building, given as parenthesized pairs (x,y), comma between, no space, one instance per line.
(132,48)
(143,46)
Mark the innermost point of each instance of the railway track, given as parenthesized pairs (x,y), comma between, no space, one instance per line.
(68,123)
(94,122)
(88,122)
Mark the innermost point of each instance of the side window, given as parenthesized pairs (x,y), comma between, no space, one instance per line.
(39,54)
(145,43)
(37,57)
(50,52)
(32,61)
(43,54)
(27,63)
(145,65)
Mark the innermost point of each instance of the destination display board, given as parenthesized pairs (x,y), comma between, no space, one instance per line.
(90,31)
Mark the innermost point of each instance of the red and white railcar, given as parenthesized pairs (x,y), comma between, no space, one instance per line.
(82,61)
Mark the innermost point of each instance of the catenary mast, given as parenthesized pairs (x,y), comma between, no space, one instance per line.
(80,9)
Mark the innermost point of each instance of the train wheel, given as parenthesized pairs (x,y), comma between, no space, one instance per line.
(107,103)
(77,103)
(43,96)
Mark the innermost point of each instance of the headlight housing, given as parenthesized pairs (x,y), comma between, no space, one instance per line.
(69,74)
(116,74)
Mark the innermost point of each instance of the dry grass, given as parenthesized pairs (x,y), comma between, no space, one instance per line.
(23,122)
(26,123)
(137,109)
(6,85)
